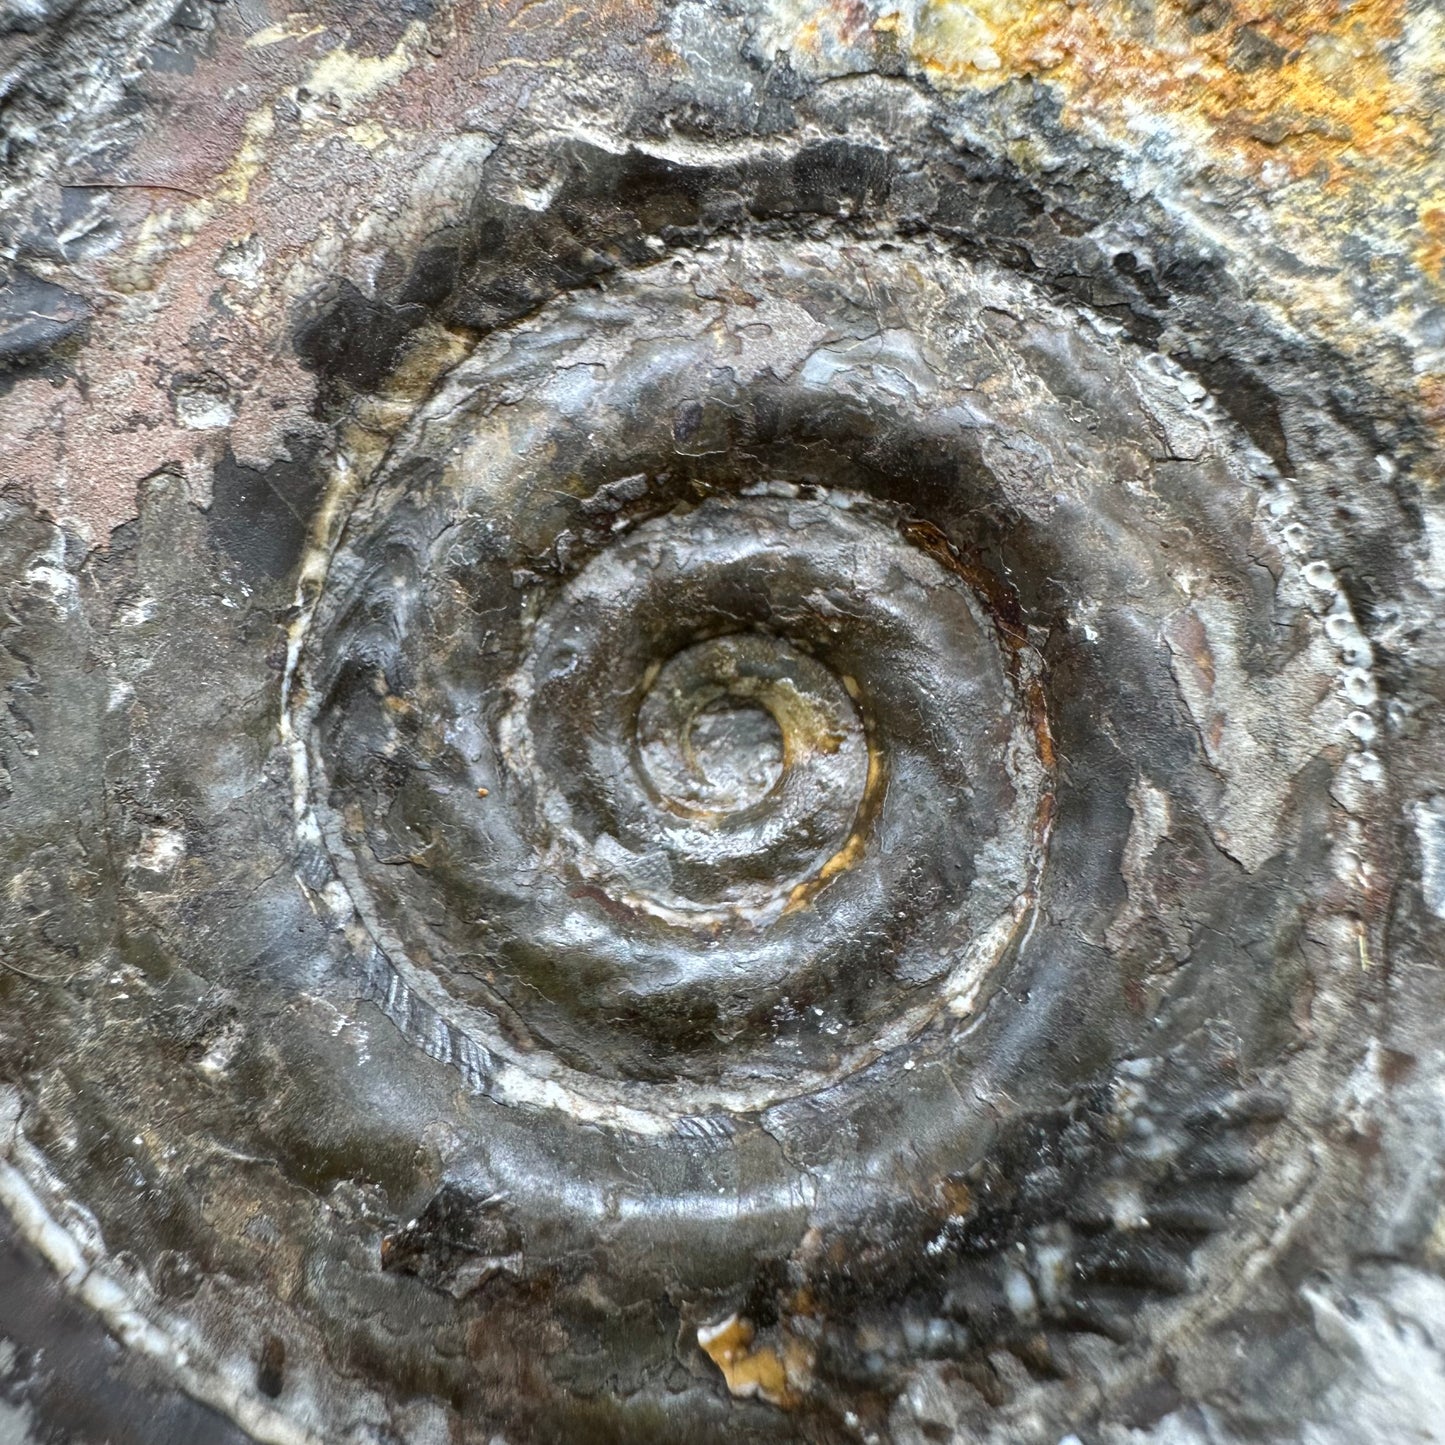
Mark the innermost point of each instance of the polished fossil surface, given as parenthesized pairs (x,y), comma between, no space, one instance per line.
(748,755)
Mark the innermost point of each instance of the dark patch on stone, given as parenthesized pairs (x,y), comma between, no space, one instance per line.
(39,322)
(457,1243)
(261,516)
(839,177)
(1247,397)
(609,204)
(434,275)
(83,1387)
(271,1366)
(189,37)
(349,338)
(1254,50)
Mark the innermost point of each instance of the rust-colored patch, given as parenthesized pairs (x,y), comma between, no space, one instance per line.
(1430,253)
(1000,602)
(1190,638)
(605,901)
(1194,663)
(1431,390)
(1039,721)
(1135,997)
(1306,86)
(235,205)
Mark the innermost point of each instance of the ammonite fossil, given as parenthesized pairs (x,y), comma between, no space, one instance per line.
(801,855)
(776,757)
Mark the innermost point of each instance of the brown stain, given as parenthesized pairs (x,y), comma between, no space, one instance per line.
(604,900)
(1187,636)
(841,24)
(1203,658)
(1193,658)
(998,600)
(1134,995)
(954,1197)
(1396,1066)
(1039,721)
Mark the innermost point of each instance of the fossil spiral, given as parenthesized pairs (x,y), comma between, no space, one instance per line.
(760,737)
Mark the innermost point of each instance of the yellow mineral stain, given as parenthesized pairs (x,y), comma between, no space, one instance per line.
(294,27)
(234,183)
(166,231)
(805,727)
(368,134)
(778,1373)
(955,39)
(853,846)
(339,78)
(344,79)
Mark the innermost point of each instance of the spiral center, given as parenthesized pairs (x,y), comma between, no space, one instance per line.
(734,752)
(753,776)
(712,730)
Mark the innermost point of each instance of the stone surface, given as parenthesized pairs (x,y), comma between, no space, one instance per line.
(1017,1019)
